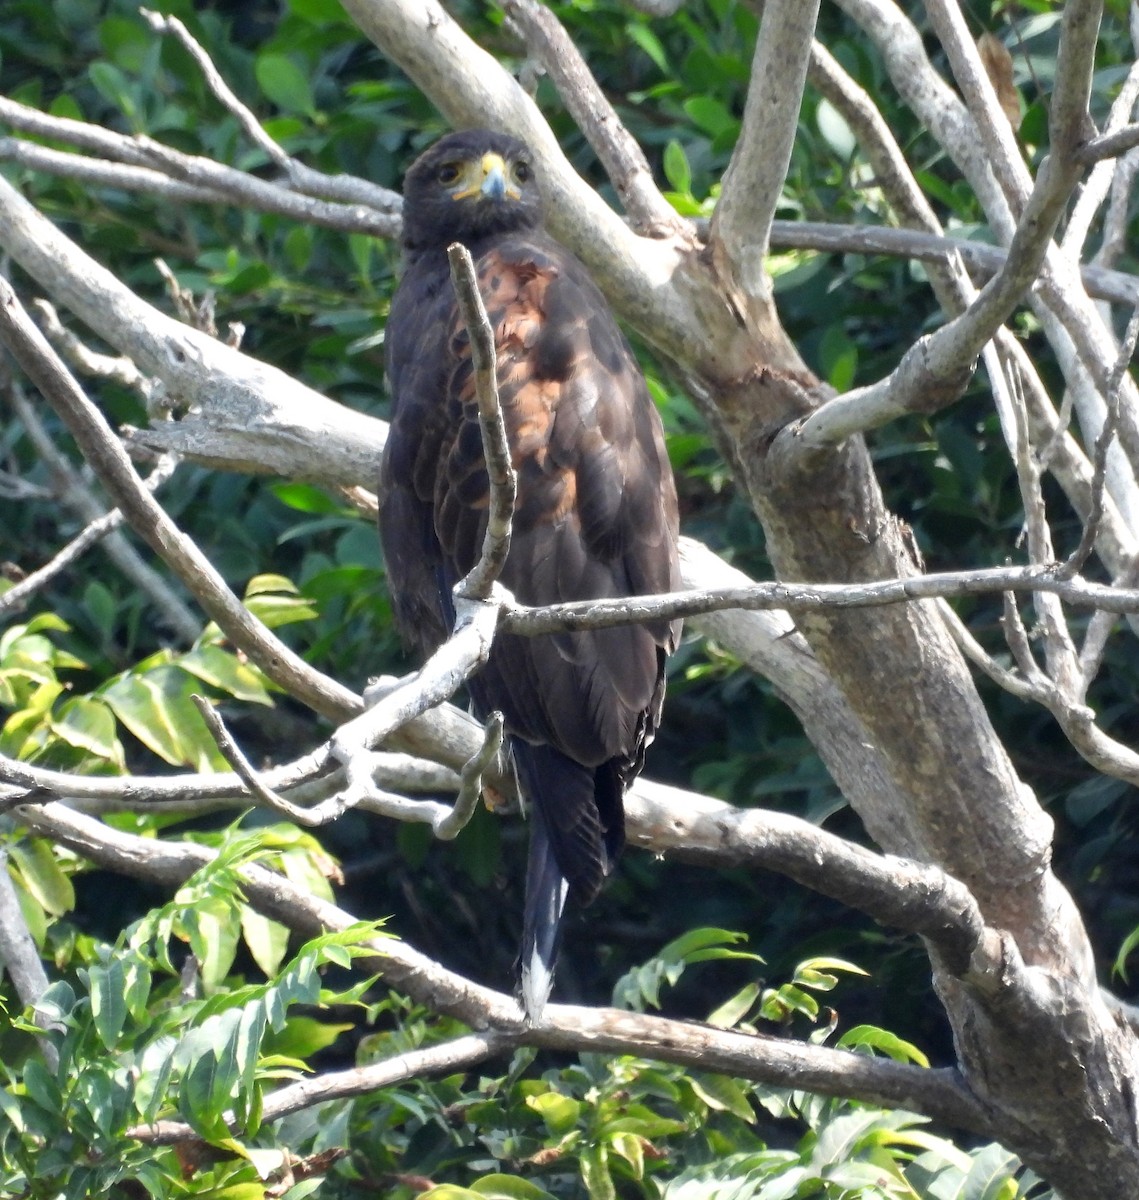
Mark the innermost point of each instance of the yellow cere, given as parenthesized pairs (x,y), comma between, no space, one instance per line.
(476,176)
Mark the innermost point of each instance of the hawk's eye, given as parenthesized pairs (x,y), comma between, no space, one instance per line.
(448,173)
(522,171)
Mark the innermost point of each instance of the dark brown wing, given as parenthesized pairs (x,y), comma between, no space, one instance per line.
(595,517)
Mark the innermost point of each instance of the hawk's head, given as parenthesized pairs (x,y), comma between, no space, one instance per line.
(466,186)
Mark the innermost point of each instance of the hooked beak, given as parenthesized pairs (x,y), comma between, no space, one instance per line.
(494,177)
(489,180)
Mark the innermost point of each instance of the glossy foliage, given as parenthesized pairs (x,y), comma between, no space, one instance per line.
(91,681)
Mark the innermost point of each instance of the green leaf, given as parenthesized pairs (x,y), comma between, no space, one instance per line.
(1129,944)
(47,620)
(284,83)
(836,132)
(319,12)
(631,1148)
(734,1009)
(303,1037)
(840,1139)
(136,988)
(224,670)
(838,356)
(41,874)
(676,168)
(991,1175)
(265,1162)
(107,984)
(156,707)
(214,926)
(156,1066)
(720,1092)
(508,1187)
(88,724)
(113,86)
(598,1182)
(205,1088)
(779,1005)
(560,1113)
(712,115)
(648,41)
(261,585)
(267,940)
(873,1038)
(304,497)
(247,1044)
(307,1187)
(362,247)
(275,610)
(125,41)
(42,1088)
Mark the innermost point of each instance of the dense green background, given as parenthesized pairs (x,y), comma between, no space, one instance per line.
(312,302)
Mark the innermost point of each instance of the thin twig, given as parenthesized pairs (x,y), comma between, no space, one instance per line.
(213,77)
(76,495)
(481,579)
(1010,681)
(117,369)
(815,597)
(1109,145)
(458,1054)
(1059,649)
(982,259)
(1098,631)
(1076,560)
(157,170)
(314,775)
(1099,182)
(1017,638)
(243,768)
(18,595)
(472,780)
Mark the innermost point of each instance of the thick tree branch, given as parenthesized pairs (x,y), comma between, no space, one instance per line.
(934,371)
(770,1060)
(368,208)
(741,224)
(251,401)
(19,955)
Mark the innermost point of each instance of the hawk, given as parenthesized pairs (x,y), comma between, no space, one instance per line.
(595,514)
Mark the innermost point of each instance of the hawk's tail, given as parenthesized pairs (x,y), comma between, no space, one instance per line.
(576,833)
(546,891)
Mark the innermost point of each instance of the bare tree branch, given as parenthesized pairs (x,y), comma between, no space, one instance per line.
(20,957)
(75,495)
(623,159)
(765,1059)
(752,183)
(482,578)
(458,1054)
(102,450)
(252,401)
(1098,184)
(983,260)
